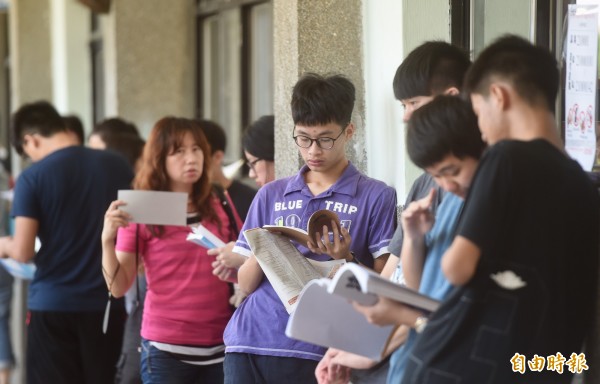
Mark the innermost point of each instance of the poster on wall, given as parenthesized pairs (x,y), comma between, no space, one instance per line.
(580,84)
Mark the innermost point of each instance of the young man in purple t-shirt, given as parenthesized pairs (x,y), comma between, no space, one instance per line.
(257,349)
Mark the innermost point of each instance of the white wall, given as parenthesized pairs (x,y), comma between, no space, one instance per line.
(382,55)
(71,65)
(392,28)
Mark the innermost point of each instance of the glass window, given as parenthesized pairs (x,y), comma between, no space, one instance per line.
(235,65)
(261,63)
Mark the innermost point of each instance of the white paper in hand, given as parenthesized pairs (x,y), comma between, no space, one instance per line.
(154,207)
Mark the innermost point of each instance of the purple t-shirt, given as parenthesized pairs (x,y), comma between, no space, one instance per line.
(366,207)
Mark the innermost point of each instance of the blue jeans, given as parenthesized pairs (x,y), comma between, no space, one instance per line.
(159,367)
(7,358)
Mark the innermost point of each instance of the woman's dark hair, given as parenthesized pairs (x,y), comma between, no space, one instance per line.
(259,138)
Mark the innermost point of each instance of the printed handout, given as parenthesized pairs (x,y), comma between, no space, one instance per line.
(156,208)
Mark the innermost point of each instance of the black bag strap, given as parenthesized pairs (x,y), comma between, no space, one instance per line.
(137,264)
(232,223)
(228,210)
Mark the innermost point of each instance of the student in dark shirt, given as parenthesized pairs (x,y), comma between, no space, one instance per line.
(61,198)
(525,258)
(240,193)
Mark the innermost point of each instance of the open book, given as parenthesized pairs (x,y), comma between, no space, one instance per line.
(203,237)
(324,314)
(287,269)
(316,221)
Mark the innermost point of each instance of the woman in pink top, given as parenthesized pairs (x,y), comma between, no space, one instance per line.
(186,307)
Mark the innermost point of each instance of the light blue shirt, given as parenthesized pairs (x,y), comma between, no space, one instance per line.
(433,281)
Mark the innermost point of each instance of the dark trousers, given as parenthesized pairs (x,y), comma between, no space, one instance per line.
(160,367)
(69,347)
(245,368)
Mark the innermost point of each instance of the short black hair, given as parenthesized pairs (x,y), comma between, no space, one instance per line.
(38,117)
(73,124)
(114,125)
(259,138)
(215,134)
(532,70)
(430,69)
(445,126)
(320,100)
(128,145)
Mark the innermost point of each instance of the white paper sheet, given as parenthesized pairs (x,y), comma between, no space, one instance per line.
(153,207)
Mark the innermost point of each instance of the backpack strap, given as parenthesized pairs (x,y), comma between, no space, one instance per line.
(220,192)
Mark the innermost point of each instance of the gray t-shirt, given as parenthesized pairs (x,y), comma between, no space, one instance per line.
(419,190)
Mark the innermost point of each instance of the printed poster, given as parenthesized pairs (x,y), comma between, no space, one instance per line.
(580,87)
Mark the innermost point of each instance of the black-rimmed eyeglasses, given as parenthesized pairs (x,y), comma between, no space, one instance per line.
(322,142)
(251,164)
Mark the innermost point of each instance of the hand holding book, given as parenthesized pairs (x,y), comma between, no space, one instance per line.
(325,314)
(287,269)
(388,312)
(203,237)
(338,246)
(226,262)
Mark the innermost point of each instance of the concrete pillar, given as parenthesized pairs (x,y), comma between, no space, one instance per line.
(4,81)
(31,54)
(323,36)
(149,60)
(71,59)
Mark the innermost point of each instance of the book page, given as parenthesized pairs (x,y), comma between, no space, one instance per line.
(286,268)
(362,285)
(317,220)
(346,285)
(330,320)
(402,294)
(296,234)
(327,268)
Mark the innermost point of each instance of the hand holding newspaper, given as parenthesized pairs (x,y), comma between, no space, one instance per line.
(287,269)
